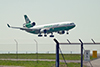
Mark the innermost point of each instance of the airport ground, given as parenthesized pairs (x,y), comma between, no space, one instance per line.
(73,60)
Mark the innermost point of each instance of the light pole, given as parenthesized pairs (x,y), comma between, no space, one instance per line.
(16,48)
(36,49)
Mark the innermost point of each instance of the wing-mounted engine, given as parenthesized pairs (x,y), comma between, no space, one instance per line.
(61,32)
(29,25)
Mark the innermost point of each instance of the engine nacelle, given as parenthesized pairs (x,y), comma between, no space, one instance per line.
(33,24)
(24,25)
(28,25)
(61,32)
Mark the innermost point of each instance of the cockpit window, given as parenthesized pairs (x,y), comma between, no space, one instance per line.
(71,23)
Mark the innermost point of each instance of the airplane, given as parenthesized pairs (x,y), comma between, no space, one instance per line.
(59,27)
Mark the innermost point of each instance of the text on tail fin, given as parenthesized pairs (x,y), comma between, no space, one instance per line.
(27,19)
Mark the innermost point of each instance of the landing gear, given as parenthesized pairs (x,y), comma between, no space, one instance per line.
(39,35)
(67,32)
(45,35)
(51,35)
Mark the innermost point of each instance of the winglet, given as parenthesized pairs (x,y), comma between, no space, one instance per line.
(8,25)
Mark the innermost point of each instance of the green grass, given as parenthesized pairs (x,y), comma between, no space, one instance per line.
(41,56)
(35,64)
(40,63)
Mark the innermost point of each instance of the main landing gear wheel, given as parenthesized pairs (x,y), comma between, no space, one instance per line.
(51,35)
(45,35)
(67,33)
(39,35)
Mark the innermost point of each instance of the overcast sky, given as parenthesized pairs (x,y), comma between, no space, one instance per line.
(84,13)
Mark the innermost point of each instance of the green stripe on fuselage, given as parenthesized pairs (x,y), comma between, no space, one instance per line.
(47,26)
(61,28)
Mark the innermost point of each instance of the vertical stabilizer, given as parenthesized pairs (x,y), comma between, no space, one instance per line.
(27,19)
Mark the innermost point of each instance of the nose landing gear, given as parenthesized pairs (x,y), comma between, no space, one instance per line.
(67,32)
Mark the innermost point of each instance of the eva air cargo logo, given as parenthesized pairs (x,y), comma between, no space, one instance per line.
(27,20)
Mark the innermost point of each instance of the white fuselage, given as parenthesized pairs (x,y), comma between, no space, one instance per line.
(53,27)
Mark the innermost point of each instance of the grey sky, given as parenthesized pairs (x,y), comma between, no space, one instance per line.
(84,13)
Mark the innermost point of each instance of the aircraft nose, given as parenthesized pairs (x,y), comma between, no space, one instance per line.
(74,25)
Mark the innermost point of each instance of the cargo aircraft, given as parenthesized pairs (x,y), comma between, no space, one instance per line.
(45,29)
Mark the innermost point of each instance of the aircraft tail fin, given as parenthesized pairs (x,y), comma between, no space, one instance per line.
(27,19)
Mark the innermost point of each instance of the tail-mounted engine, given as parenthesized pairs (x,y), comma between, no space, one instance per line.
(33,24)
(29,25)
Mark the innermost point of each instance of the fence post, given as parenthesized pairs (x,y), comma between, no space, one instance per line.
(57,53)
(81,52)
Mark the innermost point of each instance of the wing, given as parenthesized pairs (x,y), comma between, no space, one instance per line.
(16,27)
(26,29)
